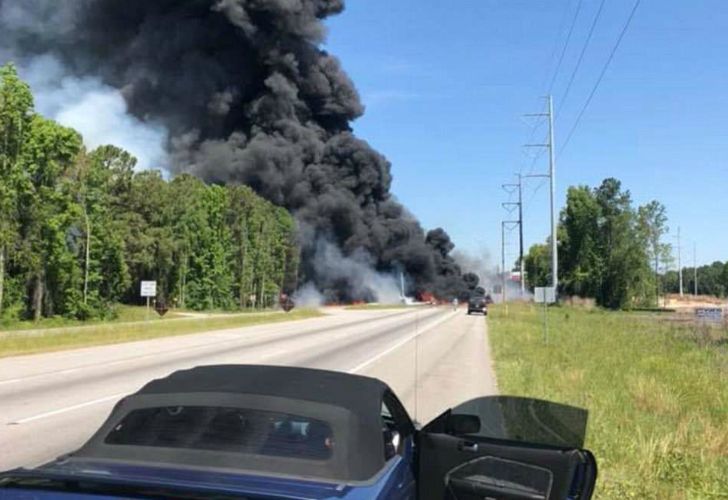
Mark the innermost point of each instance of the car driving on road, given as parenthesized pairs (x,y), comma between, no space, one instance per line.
(478,303)
(266,432)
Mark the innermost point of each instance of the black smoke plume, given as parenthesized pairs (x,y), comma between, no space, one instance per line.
(248,95)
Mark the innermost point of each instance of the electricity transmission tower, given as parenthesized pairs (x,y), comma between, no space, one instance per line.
(552,181)
(519,204)
(503,256)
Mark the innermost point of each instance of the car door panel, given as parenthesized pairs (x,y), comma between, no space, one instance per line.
(506,447)
(469,480)
(439,478)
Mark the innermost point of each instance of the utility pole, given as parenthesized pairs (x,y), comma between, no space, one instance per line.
(519,186)
(679,262)
(695,269)
(521,265)
(552,180)
(503,262)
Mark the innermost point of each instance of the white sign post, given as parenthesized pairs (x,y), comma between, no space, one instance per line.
(148,289)
(544,295)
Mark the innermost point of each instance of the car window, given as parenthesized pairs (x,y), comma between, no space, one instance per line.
(225,429)
(521,419)
(396,425)
(396,415)
(386,414)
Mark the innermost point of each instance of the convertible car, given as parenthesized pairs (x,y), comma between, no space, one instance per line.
(271,432)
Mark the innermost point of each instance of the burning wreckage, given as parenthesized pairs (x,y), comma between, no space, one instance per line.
(246,94)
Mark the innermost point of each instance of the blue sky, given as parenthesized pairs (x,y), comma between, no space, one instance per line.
(445,89)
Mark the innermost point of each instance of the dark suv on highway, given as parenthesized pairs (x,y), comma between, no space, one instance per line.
(478,304)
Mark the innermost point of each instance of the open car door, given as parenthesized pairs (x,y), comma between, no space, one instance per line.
(506,447)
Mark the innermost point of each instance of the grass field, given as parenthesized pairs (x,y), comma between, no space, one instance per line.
(657,393)
(53,339)
(123,313)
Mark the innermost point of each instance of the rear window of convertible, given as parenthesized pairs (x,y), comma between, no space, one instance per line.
(258,432)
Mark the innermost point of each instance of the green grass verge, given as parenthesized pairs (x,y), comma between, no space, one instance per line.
(657,393)
(124,314)
(114,332)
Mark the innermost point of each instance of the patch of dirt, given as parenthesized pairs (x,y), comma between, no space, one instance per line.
(674,301)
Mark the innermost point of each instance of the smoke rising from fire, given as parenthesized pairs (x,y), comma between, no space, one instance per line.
(96,110)
(246,95)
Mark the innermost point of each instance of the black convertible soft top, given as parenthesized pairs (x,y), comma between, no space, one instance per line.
(358,394)
(349,404)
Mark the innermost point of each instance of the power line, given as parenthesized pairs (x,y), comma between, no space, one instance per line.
(534,158)
(537,156)
(581,55)
(558,37)
(534,193)
(566,45)
(555,75)
(540,119)
(601,75)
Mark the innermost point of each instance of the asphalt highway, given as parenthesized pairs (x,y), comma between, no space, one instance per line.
(432,357)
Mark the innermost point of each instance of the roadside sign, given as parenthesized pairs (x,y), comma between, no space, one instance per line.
(149,289)
(714,314)
(544,294)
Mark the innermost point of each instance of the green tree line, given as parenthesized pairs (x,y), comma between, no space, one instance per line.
(79,230)
(608,249)
(712,280)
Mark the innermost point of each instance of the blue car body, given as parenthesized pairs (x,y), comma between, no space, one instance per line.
(302,434)
(396,482)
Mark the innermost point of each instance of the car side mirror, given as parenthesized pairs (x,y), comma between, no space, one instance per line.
(458,425)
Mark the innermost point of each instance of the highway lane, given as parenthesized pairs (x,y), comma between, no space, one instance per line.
(51,403)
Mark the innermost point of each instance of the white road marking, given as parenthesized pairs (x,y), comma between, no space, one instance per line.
(270,354)
(67,409)
(401,343)
(97,365)
(130,359)
(267,355)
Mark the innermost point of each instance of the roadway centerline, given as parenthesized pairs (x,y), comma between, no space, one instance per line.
(271,354)
(400,343)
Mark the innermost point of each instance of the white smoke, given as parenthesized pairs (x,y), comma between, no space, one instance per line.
(481,264)
(308,296)
(358,271)
(97,111)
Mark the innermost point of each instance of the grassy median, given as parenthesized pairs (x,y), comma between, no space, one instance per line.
(122,314)
(657,393)
(19,342)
